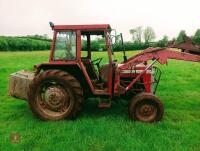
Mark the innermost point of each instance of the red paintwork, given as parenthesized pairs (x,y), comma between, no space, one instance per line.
(82,27)
(158,54)
(86,76)
(147,82)
(52,46)
(110,64)
(186,45)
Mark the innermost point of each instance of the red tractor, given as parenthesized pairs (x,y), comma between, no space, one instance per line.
(59,87)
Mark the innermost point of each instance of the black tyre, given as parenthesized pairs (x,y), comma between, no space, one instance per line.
(55,95)
(146,107)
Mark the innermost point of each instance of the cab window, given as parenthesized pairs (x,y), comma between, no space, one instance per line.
(65,45)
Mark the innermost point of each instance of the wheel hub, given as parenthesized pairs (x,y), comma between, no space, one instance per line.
(147,110)
(55,97)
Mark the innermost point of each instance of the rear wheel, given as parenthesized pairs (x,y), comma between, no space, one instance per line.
(55,95)
(146,107)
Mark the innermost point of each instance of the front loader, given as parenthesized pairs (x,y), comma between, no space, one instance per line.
(58,88)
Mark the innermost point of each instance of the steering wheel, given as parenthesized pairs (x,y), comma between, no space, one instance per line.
(98,61)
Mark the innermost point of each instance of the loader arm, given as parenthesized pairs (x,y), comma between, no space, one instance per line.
(156,54)
(159,54)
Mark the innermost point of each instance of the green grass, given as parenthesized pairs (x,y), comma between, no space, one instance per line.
(105,129)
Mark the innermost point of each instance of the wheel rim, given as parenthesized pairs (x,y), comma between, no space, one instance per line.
(146,111)
(54,99)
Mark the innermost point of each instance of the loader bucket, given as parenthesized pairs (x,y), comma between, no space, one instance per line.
(19,83)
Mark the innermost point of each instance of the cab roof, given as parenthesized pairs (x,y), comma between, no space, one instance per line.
(82,27)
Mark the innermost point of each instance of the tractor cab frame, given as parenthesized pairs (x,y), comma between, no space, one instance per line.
(67,40)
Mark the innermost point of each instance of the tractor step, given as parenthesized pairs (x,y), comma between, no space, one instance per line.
(104,104)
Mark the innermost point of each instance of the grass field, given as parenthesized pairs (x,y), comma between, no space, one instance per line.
(105,129)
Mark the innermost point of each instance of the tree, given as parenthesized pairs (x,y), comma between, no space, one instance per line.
(149,34)
(3,44)
(136,34)
(181,36)
(163,42)
(197,36)
(118,39)
(45,36)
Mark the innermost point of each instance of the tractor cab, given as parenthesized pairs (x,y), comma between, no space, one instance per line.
(73,47)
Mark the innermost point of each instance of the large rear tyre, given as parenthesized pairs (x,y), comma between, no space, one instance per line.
(55,95)
(146,107)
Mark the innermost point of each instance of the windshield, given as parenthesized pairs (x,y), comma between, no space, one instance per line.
(65,45)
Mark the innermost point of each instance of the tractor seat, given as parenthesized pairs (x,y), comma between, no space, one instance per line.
(104,72)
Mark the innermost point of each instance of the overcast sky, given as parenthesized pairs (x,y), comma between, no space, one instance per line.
(26,17)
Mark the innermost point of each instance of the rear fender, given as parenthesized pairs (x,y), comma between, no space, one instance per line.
(73,69)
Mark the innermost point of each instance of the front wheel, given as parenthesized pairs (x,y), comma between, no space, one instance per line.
(146,107)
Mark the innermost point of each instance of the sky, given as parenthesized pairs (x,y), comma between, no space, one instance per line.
(166,17)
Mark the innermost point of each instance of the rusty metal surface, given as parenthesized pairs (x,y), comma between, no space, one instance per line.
(186,46)
(19,83)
